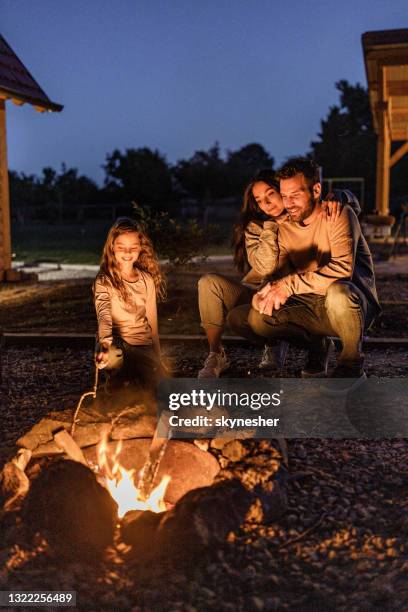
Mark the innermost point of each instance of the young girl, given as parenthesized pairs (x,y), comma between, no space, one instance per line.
(125,291)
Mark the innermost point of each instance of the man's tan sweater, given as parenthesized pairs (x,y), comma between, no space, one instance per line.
(311,257)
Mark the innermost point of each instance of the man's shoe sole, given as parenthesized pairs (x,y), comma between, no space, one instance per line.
(355,384)
(306,374)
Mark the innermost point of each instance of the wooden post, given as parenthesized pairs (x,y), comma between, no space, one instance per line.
(399,153)
(5,234)
(383,146)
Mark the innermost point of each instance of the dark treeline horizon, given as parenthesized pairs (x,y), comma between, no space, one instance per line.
(345,147)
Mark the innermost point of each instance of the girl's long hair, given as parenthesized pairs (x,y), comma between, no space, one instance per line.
(147,260)
(250,211)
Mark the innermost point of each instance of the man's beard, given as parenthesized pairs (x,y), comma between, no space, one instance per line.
(308,210)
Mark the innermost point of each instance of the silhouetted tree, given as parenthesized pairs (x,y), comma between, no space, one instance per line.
(51,192)
(204,175)
(74,189)
(243,164)
(139,174)
(347,145)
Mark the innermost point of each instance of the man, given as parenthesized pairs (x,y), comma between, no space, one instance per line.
(325,279)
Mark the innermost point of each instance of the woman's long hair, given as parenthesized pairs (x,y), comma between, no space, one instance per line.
(250,211)
(147,260)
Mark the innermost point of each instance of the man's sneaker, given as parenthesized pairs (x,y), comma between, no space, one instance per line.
(273,357)
(318,359)
(214,365)
(346,377)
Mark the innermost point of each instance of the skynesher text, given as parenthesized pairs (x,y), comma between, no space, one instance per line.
(231,423)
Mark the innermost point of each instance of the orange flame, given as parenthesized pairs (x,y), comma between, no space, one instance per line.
(121,486)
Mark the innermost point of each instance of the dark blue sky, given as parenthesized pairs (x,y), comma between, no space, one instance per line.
(178,75)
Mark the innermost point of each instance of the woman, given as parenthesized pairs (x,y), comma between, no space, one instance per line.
(255,253)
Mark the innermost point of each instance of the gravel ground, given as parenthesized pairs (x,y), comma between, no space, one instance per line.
(341,545)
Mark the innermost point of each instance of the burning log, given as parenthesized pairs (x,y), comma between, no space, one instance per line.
(71,509)
(65,442)
(14,483)
(40,438)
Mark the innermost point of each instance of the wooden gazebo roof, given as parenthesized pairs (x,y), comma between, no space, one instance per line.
(17,84)
(386,62)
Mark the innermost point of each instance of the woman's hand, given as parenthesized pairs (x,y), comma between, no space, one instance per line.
(331,207)
(102,355)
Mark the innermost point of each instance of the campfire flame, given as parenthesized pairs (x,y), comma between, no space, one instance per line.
(120,483)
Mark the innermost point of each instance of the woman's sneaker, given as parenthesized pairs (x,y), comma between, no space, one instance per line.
(273,357)
(214,365)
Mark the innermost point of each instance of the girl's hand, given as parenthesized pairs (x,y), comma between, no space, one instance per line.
(102,357)
(331,208)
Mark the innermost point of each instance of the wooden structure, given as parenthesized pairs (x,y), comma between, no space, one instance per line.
(386,62)
(17,85)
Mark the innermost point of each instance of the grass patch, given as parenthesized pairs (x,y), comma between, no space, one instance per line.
(71,243)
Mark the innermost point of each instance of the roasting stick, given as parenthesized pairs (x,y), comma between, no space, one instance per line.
(92,393)
(156,452)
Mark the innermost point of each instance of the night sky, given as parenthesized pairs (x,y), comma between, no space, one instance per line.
(177,75)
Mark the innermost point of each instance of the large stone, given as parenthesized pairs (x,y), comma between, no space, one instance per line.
(189,468)
(41,433)
(40,437)
(71,509)
(91,433)
(139,528)
(202,519)
(48,449)
(132,456)
(135,422)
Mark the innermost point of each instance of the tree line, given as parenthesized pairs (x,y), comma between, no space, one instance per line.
(345,147)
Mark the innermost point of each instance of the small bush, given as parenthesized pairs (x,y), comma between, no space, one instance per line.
(177,241)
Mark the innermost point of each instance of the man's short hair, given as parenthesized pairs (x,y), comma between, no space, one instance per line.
(300,165)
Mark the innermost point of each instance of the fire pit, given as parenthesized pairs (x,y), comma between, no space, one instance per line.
(86,495)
